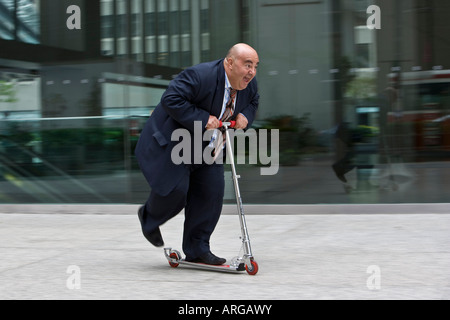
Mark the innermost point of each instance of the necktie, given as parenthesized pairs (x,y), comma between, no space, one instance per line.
(229,109)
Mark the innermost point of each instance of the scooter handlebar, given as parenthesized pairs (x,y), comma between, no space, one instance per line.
(230,124)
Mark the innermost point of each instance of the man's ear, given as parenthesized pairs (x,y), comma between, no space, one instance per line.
(230,62)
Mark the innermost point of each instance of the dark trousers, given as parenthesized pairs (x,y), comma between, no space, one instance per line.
(201,195)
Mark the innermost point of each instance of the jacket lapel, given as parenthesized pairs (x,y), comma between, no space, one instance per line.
(239,102)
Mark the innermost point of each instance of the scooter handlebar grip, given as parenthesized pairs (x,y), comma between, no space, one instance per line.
(232,124)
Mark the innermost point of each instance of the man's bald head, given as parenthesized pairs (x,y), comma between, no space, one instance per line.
(239,49)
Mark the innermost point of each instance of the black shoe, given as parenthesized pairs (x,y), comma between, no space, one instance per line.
(154,237)
(209,258)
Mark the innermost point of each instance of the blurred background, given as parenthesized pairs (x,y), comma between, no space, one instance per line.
(363,114)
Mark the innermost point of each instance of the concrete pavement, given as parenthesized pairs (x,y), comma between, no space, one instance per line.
(71,255)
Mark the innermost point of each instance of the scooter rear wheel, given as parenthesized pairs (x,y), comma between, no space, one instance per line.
(174,255)
(253,269)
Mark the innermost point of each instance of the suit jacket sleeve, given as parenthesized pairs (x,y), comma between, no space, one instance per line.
(179,100)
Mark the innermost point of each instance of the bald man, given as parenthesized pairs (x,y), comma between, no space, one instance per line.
(202,95)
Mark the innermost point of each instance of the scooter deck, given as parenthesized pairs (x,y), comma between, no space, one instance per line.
(175,259)
(203,266)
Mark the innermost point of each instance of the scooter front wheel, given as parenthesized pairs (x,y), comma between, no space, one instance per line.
(174,255)
(252,269)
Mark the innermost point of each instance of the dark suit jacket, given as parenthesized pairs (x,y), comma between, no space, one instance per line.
(194,95)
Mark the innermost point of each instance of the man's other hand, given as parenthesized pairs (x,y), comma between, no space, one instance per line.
(213,123)
(241,122)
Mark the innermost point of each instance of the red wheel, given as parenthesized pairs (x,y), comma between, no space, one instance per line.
(253,269)
(173,255)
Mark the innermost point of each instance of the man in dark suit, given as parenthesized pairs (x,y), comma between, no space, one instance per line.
(200,94)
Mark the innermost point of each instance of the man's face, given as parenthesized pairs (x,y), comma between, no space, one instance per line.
(242,69)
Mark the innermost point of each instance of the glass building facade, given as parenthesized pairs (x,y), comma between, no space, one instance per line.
(358,89)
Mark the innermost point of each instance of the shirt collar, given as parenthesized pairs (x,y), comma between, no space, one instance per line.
(227,82)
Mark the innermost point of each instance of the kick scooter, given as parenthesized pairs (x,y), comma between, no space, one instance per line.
(238,264)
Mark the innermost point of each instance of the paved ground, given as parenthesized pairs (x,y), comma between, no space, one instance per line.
(320,256)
